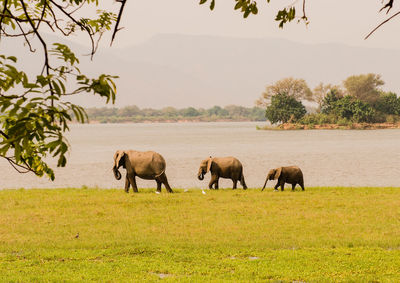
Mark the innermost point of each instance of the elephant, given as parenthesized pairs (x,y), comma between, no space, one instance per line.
(222,167)
(289,174)
(148,165)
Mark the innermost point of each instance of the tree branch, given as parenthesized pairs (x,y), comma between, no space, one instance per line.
(2,15)
(56,23)
(46,53)
(26,38)
(381,24)
(389,6)
(116,29)
(77,23)
(15,165)
(304,10)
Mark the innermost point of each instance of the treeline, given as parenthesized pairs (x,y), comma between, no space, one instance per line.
(359,99)
(134,114)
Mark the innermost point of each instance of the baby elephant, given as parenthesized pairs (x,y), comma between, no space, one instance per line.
(222,167)
(290,174)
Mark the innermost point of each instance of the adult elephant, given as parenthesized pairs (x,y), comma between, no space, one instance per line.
(222,167)
(289,174)
(147,165)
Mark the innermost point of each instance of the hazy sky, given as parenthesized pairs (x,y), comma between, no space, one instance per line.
(342,21)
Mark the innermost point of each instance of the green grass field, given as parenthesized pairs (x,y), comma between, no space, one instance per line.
(322,234)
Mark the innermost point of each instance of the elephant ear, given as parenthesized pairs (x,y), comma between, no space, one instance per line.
(209,162)
(120,154)
(278,173)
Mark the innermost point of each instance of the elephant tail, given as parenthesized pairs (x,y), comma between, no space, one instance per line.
(158,175)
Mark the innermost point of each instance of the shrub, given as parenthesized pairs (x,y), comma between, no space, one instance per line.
(344,122)
(392,118)
(317,119)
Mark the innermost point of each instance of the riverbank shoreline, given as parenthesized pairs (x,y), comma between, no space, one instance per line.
(352,126)
(149,121)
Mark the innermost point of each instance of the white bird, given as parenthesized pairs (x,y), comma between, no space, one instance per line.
(185,190)
(157,192)
(203,192)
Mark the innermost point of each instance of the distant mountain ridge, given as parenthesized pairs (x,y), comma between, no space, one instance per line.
(202,71)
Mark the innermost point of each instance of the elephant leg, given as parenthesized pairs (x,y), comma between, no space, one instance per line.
(282,184)
(212,181)
(234,184)
(276,186)
(132,180)
(158,186)
(164,180)
(216,183)
(293,186)
(243,183)
(302,185)
(127,184)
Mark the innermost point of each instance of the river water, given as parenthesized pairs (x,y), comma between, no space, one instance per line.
(326,157)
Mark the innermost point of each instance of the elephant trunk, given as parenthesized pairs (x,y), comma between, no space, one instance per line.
(266,180)
(201,176)
(117,174)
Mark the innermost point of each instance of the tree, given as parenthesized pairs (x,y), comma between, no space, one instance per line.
(364,87)
(296,88)
(217,111)
(101,112)
(388,103)
(170,112)
(354,109)
(284,108)
(321,91)
(328,102)
(190,112)
(258,113)
(34,110)
(349,108)
(236,111)
(129,111)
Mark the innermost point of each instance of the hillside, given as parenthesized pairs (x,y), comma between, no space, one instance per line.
(202,71)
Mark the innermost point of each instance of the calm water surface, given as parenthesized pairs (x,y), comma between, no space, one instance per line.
(327,157)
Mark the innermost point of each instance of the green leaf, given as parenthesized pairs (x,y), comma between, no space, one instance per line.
(255,10)
(238,5)
(212,5)
(12,58)
(247,13)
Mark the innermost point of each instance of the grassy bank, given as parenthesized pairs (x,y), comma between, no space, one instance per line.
(322,234)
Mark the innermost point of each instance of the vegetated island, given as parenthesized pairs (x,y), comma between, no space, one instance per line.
(134,114)
(358,103)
